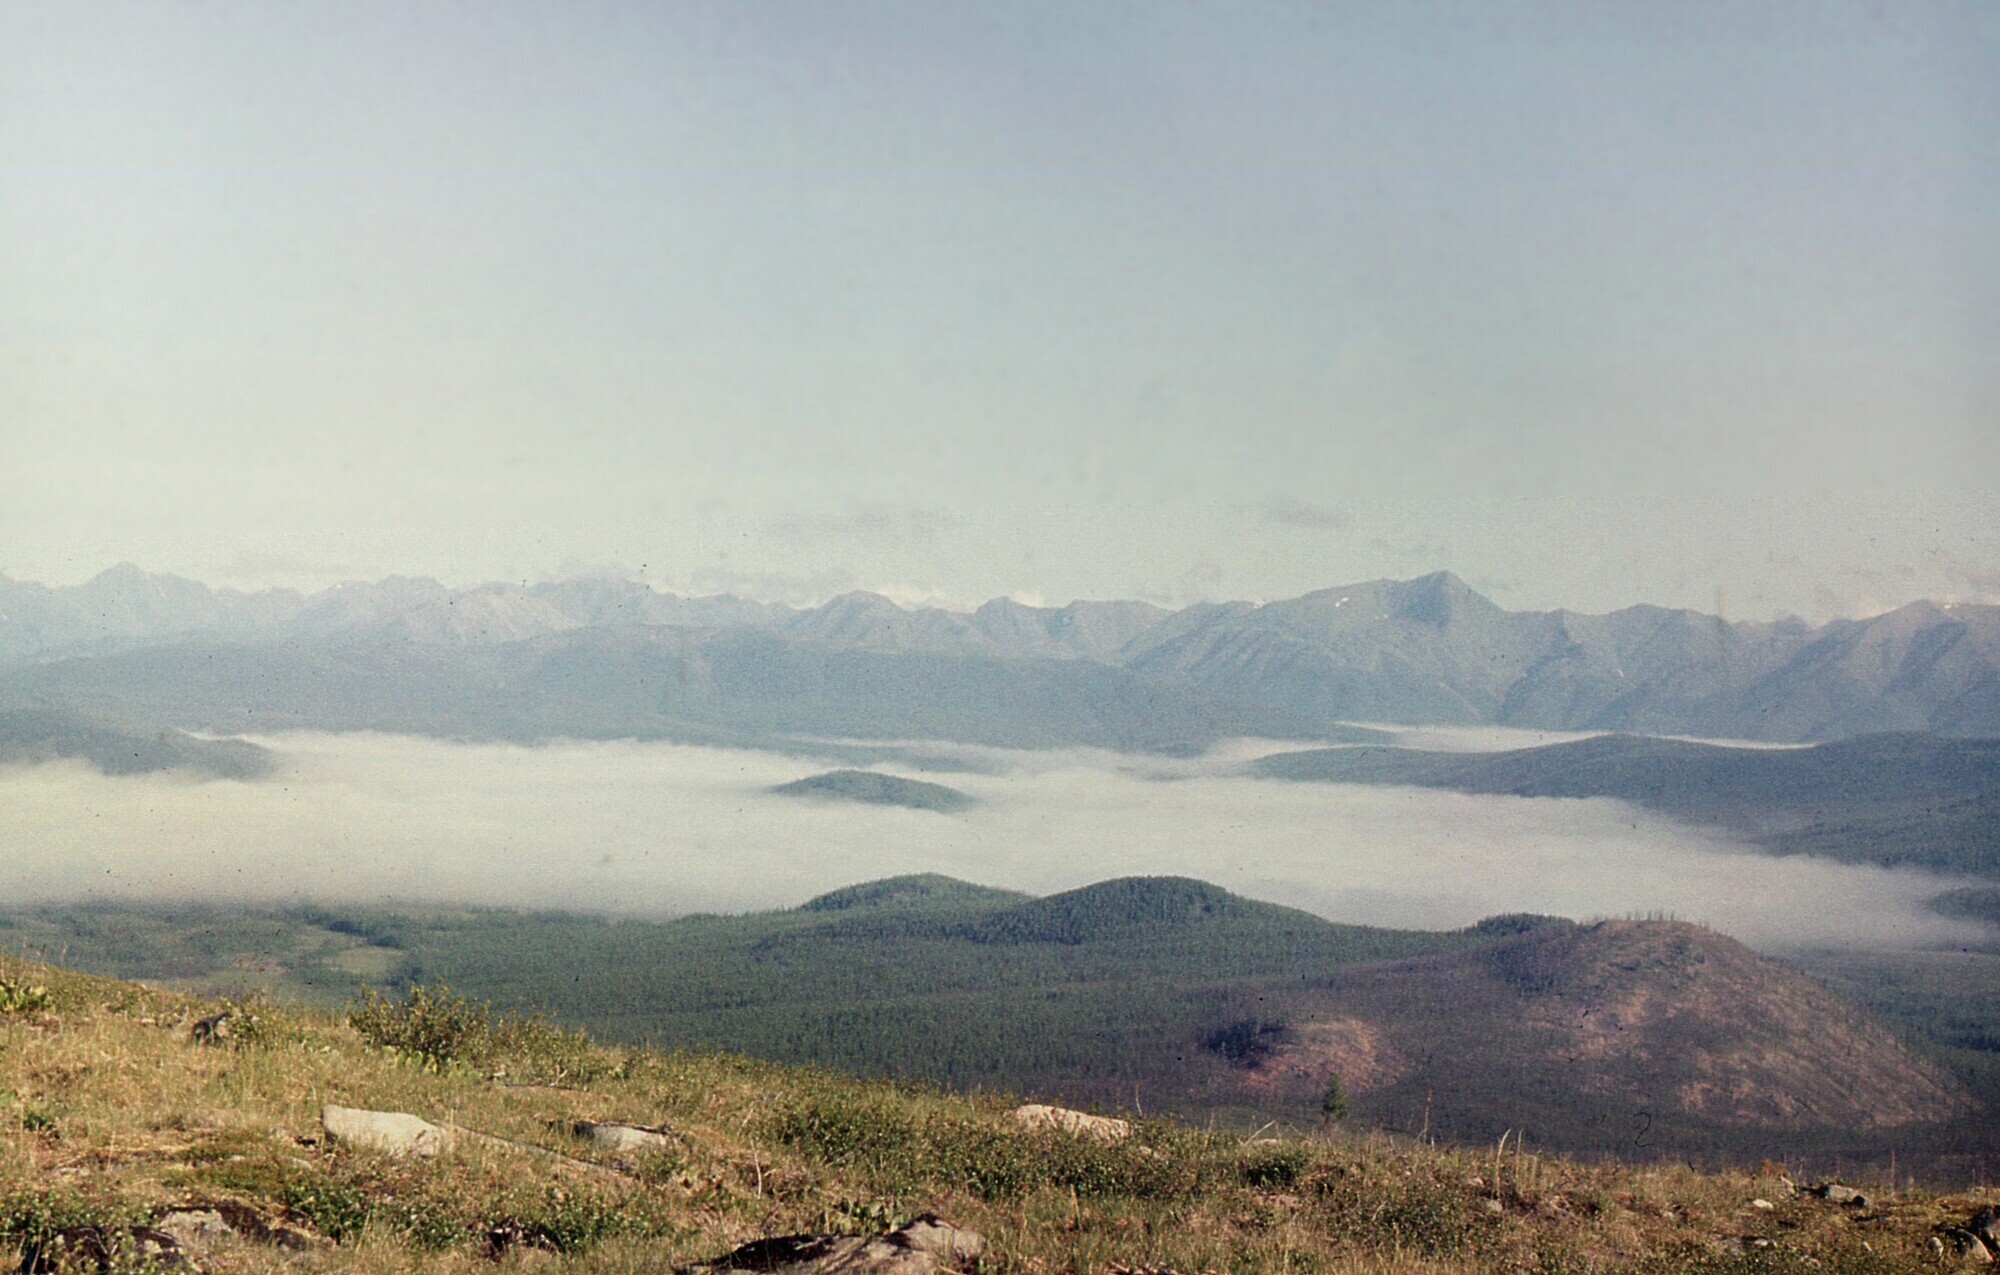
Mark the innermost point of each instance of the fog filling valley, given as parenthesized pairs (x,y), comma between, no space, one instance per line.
(659,829)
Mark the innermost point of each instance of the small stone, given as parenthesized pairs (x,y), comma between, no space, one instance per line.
(616,1135)
(1495,1208)
(1761,1203)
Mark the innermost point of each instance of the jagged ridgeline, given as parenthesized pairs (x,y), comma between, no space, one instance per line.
(600,659)
(1627,1038)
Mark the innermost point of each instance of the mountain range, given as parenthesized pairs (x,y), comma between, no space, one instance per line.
(598,657)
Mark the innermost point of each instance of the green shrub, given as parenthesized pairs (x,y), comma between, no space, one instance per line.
(31,1217)
(533,1048)
(1275,1166)
(571,1223)
(844,1127)
(439,1028)
(22,998)
(430,1024)
(336,1209)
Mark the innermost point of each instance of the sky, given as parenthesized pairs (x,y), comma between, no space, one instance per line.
(1692,304)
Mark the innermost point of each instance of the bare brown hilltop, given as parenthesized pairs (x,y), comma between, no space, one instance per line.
(1645,1031)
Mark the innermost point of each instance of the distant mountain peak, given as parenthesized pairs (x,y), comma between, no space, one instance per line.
(1437,599)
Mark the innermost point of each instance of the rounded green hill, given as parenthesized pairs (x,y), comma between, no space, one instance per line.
(876,789)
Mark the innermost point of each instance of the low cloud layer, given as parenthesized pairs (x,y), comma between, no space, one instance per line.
(658,829)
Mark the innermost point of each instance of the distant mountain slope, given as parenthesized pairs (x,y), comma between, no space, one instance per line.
(873,788)
(1430,650)
(1888,799)
(29,736)
(722,686)
(1638,1039)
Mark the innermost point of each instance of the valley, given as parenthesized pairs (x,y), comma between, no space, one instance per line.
(1204,863)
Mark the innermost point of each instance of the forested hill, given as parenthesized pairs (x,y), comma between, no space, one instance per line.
(1194,999)
(872,788)
(30,736)
(1892,799)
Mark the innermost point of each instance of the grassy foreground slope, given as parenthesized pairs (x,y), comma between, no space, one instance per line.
(112,1111)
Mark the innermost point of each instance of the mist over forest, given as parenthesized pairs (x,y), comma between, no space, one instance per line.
(660,829)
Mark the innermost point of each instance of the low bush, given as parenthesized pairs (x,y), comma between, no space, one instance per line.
(438,1028)
(535,1049)
(429,1024)
(22,998)
(32,1217)
(1275,1166)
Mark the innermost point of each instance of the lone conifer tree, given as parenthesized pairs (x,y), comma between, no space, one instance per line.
(1333,1103)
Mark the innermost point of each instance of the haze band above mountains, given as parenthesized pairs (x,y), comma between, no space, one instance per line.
(597,658)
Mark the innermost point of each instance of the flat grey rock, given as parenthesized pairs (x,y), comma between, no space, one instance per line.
(390,1132)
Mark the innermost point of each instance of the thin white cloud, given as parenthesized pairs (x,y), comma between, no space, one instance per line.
(1285,511)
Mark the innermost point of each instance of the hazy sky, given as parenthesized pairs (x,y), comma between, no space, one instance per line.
(1593,304)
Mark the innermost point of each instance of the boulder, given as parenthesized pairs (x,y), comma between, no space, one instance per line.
(391,1132)
(1986,1225)
(194,1228)
(1965,1246)
(214,1027)
(613,1135)
(1835,1193)
(1104,1129)
(926,1246)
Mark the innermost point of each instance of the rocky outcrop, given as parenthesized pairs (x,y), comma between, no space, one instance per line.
(103,1250)
(1106,1129)
(199,1227)
(398,1133)
(925,1247)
